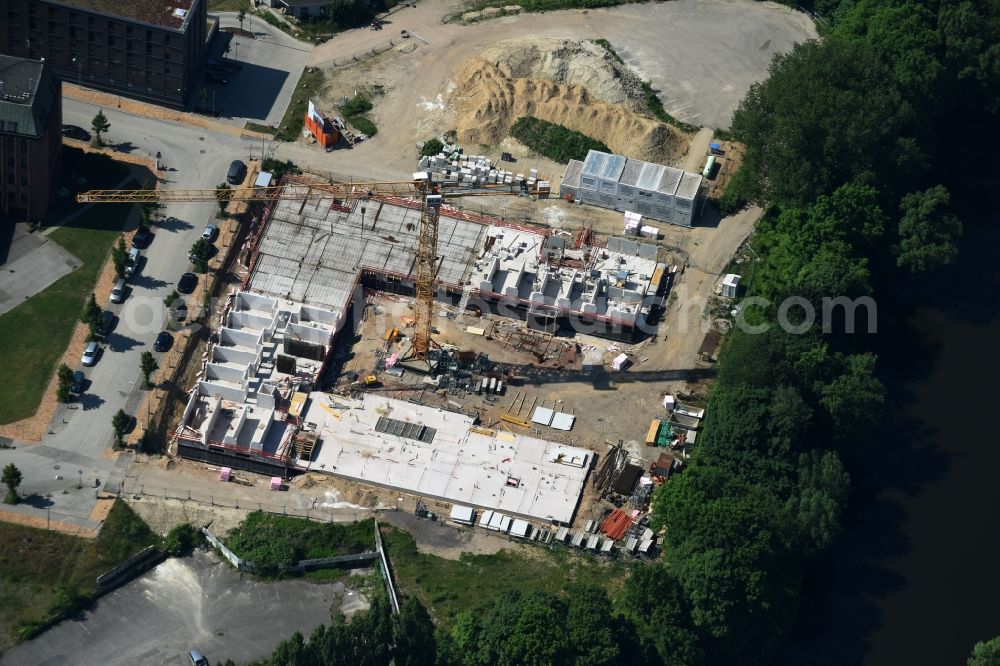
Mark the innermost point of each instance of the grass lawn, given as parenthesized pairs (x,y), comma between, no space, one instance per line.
(295,115)
(34,335)
(41,571)
(271,541)
(257,127)
(228,5)
(448,587)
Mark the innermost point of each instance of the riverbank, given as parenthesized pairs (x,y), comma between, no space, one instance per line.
(917,554)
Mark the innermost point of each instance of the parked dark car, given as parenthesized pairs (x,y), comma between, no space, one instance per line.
(237,172)
(143,237)
(187,283)
(107,323)
(79,382)
(75,132)
(163,341)
(179,310)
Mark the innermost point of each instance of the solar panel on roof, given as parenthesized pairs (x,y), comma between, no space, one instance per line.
(405,429)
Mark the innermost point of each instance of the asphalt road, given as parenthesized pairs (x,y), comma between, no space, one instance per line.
(193,602)
(80,438)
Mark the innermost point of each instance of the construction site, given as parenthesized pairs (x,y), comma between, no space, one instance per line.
(471,338)
(383,337)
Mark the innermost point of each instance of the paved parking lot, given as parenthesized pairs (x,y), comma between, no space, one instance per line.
(269,69)
(30,264)
(194,602)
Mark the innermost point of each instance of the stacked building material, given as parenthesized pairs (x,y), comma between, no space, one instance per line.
(616,525)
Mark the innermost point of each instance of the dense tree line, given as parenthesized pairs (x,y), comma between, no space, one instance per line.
(854,145)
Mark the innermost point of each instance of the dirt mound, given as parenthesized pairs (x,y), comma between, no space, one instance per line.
(565,61)
(490,96)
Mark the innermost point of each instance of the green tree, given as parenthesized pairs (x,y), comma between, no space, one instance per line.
(222,192)
(201,252)
(514,628)
(823,488)
(148,365)
(181,539)
(855,398)
(986,653)
(64,375)
(928,231)
(91,311)
(413,632)
(241,16)
(653,601)
(119,424)
(100,125)
(597,636)
(119,256)
(11,479)
(432,147)
(827,112)
(822,249)
(91,316)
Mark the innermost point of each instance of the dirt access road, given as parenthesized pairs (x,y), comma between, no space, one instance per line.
(702,56)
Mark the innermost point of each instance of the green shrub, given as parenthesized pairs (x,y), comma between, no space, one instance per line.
(271,541)
(737,193)
(356,105)
(278,168)
(363,125)
(432,147)
(66,600)
(554,141)
(181,540)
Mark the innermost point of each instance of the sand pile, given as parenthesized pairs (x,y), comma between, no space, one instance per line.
(565,61)
(490,96)
(572,83)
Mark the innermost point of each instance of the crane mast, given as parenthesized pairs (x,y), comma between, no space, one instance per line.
(426,271)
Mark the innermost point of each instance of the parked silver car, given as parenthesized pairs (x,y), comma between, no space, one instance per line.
(90,353)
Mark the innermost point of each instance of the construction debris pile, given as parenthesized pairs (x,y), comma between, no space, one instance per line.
(679,430)
(452,167)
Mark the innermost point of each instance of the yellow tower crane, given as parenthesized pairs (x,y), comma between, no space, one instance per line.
(422,187)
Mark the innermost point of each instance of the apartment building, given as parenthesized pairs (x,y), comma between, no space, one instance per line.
(152,50)
(30,138)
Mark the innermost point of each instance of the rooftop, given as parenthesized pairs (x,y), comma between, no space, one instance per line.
(689,185)
(604,165)
(522,476)
(571,177)
(313,253)
(161,13)
(25,103)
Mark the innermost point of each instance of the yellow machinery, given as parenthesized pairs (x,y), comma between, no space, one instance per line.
(515,420)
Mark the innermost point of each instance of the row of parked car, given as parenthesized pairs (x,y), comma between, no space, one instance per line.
(119,292)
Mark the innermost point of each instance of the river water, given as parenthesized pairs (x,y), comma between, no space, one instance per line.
(916,577)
